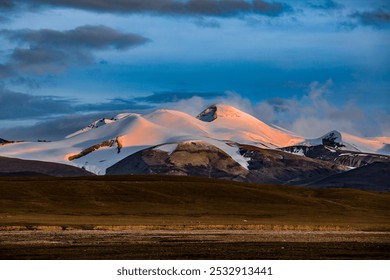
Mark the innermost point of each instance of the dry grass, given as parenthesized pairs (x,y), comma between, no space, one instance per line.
(160,202)
(181,227)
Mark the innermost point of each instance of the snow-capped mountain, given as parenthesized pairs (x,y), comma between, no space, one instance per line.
(345,141)
(106,142)
(342,148)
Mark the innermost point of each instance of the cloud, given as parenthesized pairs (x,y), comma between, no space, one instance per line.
(87,36)
(192,106)
(314,115)
(197,104)
(174,96)
(379,18)
(216,8)
(49,51)
(115,104)
(317,91)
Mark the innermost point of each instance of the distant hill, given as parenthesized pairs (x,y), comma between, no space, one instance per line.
(375,176)
(19,167)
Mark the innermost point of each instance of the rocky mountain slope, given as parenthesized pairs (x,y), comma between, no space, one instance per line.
(198,158)
(191,158)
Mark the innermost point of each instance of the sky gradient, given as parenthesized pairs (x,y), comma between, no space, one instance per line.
(309,66)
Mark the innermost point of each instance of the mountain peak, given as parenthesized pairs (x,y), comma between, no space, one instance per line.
(209,114)
(332,139)
(219,111)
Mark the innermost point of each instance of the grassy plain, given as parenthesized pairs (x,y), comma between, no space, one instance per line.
(173,201)
(157,217)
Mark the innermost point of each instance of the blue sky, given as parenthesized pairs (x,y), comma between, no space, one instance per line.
(285,62)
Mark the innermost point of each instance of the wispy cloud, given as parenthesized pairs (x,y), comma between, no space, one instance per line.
(313,114)
(115,104)
(175,96)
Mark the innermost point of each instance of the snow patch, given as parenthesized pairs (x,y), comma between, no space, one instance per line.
(232,150)
(296,151)
(168,148)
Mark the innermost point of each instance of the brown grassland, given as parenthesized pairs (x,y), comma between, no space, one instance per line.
(187,217)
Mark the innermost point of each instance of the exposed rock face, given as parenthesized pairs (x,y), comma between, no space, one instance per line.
(271,166)
(107,143)
(197,158)
(208,115)
(342,157)
(193,158)
(332,139)
(19,167)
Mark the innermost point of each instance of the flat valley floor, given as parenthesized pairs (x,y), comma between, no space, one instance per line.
(193,244)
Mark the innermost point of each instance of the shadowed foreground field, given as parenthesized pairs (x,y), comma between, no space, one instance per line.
(158,217)
(203,244)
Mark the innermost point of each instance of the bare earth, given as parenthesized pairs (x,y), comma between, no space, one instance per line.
(194,244)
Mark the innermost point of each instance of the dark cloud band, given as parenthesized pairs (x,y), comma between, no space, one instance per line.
(174,96)
(218,8)
(379,18)
(50,51)
(88,36)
